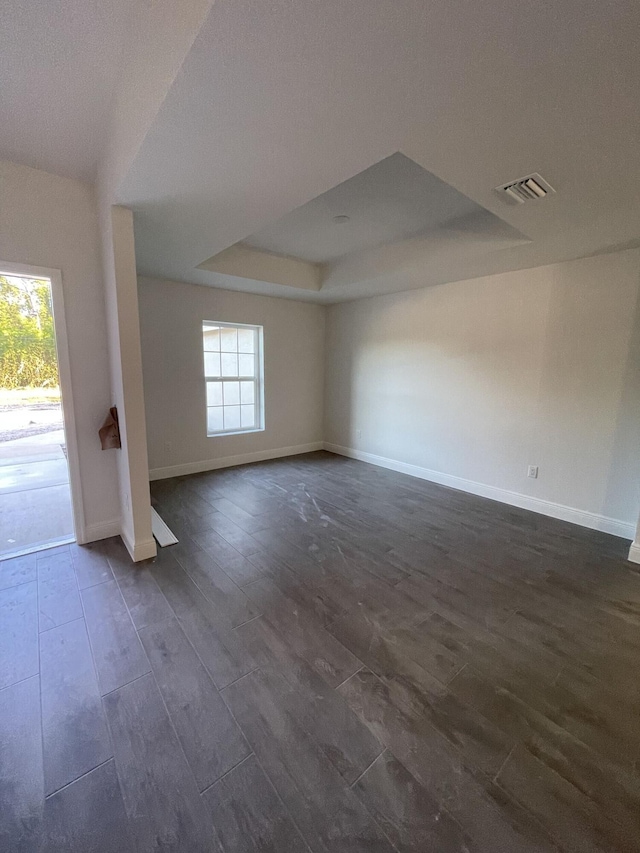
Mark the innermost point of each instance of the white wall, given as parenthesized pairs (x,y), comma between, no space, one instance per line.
(121,300)
(50,221)
(473,381)
(171,316)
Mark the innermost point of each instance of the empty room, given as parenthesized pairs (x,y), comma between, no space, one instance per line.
(319,426)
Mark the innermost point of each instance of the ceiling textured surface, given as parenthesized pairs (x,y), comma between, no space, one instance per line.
(393,200)
(279,101)
(59,62)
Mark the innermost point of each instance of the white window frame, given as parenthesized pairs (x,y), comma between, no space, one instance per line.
(257,379)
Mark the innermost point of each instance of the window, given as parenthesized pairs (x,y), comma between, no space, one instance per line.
(233,377)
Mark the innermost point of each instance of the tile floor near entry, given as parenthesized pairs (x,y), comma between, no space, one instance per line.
(334,658)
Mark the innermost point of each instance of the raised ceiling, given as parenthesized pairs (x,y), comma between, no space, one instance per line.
(393,200)
(276,103)
(394,204)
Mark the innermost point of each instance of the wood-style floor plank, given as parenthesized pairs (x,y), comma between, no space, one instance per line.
(305,634)
(334,657)
(18,633)
(90,564)
(88,815)
(58,596)
(425,702)
(227,539)
(346,742)
(160,794)
(74,730)
(17,570)
(208,733)
(575,821)
(218,587)
(469,796)
(327,812)
(406,811)
(145,602)
(206,626)
(249,815)
(21,771)
(117,650)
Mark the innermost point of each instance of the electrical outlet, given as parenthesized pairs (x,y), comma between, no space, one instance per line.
(532,471)
(167,447)
(358,433)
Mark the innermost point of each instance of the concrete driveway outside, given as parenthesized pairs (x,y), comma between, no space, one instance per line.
(35,497)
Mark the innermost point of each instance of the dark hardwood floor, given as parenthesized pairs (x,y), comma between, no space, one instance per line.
(335,657)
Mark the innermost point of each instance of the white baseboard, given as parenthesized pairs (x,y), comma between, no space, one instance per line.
(554,510)
(144,550)
(230,461)
(102,530)
(634,552)
(105,530)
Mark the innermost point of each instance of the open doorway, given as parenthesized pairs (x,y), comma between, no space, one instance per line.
(36,505)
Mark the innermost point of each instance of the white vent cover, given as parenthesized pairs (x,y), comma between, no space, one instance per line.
(526,189)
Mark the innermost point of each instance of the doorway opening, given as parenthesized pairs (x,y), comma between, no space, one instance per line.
(36,504)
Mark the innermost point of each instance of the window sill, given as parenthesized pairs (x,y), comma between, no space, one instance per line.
(234,432)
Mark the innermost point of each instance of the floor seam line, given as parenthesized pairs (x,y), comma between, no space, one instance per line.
(16,585)
(368,767)
(105,717)
(266,775)
(226,772)
(21,680)
(126,684)
(60,625)
(504,763)
(253,619)
(236,680)
(349,677)
(77,779)
(204,666)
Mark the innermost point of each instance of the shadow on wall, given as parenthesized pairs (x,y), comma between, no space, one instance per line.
(438,377)
(626,448)
(589,396)
(479,379)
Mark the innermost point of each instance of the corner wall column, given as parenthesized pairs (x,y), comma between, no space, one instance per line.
(125,356)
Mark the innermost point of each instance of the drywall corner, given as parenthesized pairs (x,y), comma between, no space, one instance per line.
(121,295)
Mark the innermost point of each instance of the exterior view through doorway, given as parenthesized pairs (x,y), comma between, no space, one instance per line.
(36,503)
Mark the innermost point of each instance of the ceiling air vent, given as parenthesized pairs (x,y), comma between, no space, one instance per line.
(526,189)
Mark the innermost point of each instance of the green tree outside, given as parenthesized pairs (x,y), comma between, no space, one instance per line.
(27,339)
